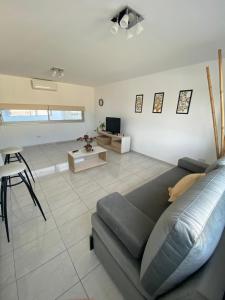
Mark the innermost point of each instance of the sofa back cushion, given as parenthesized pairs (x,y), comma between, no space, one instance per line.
(186,235)
(216,164)
(192,165)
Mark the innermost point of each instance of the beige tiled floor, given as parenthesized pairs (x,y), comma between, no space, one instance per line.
(51,260)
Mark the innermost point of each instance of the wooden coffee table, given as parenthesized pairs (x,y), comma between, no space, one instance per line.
(83,160)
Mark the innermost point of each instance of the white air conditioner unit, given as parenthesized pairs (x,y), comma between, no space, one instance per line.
(41,84)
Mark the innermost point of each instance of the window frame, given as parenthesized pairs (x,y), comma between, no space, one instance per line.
(7,106)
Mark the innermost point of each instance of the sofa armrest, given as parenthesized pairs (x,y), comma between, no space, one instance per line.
(128,223)
(192,165)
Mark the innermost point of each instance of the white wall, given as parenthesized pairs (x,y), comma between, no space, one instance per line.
(18,90)
(166,136)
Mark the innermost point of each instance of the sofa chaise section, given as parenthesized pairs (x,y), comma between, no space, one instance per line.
(119,243)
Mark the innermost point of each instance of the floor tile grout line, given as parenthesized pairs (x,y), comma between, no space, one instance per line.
(11,252)
(30,219)
(88,273)
(79,197)
(80,279)
(69,203)
(79,282)
(69,221)
(14,262)
(50,212)
(70,256)
(77,242)
(40,236)
(41,265)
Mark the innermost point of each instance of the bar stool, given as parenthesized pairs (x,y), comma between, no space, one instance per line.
(15,154)
(7,172)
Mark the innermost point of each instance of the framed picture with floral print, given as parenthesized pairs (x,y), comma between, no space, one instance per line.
(158,103)
(184,101)
(139,103)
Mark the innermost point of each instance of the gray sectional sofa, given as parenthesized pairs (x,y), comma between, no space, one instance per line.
(156,250)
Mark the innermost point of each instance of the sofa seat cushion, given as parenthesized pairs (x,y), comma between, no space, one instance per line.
(152,197)
(186,235)
(128,223)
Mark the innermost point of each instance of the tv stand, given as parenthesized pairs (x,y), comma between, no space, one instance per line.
(118,143)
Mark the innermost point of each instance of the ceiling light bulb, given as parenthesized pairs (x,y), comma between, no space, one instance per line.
(61,73)
(124,21)
(54,72)
(115,28)
(129,35)
(140,28)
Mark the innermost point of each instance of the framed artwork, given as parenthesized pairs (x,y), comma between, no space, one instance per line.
(184,101)
(158,103)
(139,103)
(100,102)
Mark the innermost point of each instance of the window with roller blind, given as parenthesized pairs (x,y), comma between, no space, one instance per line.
(65,113)
(25,113)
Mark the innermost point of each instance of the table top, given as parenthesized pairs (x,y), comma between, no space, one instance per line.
(82,152)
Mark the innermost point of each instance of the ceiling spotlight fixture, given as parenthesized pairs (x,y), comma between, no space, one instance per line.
(130,35)
(139,26)
(125,20)
(57,72)
(54,72)
(61,73)
(115,27)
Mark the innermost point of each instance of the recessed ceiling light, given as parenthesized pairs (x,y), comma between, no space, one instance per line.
(57,72)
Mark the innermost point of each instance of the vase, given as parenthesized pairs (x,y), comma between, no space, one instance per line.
(88,147)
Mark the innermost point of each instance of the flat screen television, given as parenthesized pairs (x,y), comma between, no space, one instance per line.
(113,125)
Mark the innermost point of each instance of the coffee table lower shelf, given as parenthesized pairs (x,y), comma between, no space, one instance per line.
(80,164)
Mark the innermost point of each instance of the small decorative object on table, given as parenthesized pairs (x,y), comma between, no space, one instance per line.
(102,126)
(89,140)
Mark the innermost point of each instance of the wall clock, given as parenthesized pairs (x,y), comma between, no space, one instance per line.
(100,102)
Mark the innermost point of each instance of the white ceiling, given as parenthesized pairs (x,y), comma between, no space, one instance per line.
(75,34)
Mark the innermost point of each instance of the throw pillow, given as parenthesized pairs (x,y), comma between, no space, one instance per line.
(183,185)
